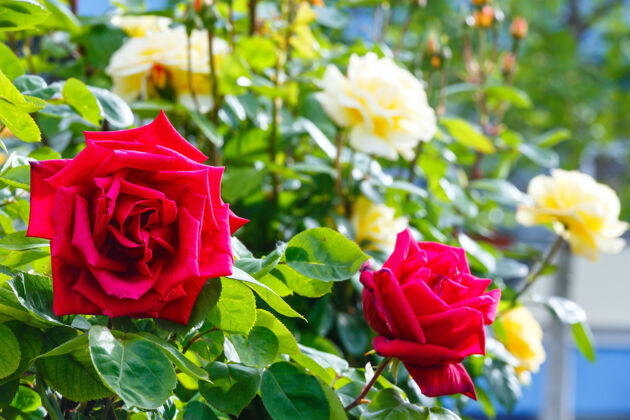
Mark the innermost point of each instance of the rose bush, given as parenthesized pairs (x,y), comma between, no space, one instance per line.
(429,312)
(136,224)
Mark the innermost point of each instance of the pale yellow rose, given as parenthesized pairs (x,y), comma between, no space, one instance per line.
(523,339)
(139,26)
(158,60)
(384,106)
(583,211)
(376,225)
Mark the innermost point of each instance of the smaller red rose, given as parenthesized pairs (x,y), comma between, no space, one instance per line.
(429,312)
(136,224)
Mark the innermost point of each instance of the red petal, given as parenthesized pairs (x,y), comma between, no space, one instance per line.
(486,304)
(162,133)
(459,329)
(422,299)
(442,380)
(399,315)
(405,244)
(371,311)
(179,310)
(415,353)
(42,197)
(449,261)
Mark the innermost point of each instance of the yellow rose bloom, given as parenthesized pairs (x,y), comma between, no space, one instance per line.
(384,106)
(159,59)
(376,225)
(523,339)
(139,26)
(583,211)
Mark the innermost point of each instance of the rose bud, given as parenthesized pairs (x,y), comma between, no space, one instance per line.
(484,17)
(136,224)
(429,311)
(519,28)
(509,63)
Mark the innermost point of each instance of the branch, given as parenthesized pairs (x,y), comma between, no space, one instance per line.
(359,399)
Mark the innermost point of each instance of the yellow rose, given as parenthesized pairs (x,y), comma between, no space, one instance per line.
(376,224)
(523,338)
(384,106)
(145,65)
(139,26)
(583,211)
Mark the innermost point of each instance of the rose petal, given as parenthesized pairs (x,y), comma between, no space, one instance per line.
(475,285)
(459,329)
(439,380)
(236,222)
(42,197)
(399,316)
(404,243)
(372,312)
(162,133)
(179,310)
(449,261)
(422,299)
(415,353)
(65,301)
(486,304)
(125,286)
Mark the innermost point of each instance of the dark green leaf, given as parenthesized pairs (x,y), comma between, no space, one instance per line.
(259,348)
(9,352)
(196,410)
(136,369)
(290,394)
(353,333)
(233,386)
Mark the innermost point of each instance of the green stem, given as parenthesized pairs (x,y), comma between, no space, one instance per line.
(534,273)
(196,337)
(359,399)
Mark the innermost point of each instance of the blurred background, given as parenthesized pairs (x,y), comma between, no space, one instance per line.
(575,66)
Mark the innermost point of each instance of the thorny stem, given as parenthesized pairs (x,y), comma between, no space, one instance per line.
(534,273)
(358,400)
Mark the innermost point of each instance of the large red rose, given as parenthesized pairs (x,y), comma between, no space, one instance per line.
(429,312)
(136,224)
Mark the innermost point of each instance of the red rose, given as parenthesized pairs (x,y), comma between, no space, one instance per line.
(429,312)
(136,224)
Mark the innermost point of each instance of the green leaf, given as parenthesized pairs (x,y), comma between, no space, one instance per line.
(268,295)
(511,94)
(19,122)
(464,133)
(17,241)
(235,312)
(182,362)
(286,401)
(336,408)
(71,374)
(259,52)
(197,410)
(207,128)
(286,341)
(206,301)
(388,404)
(61,17)
(35,293)
(241,182)
(75,343)
(233,386)
(503,382)
(322,253)
(565,310)
(353,333)
(499,190)
(553,137)
(9,352)
(26,400)
(7,392)
(136,369)
(18,177)
(543,157)
(485,403)
(44,153)
(21,14)
(115,111)
(583,337)
(79,97)
(30,340)
(28,83)
(476,251)
(300,284)
(9,63)
(259,348)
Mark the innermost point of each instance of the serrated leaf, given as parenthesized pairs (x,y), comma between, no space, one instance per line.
(136,369)
(233,386)
(9,352)
(286,342)
(76,94)
(323,254)
(235,312)
(259,348)
(286,401)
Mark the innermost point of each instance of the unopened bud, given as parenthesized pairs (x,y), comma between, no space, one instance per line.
(509,63)
(519,28)
(484,17)
(436,61)
(432,46)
